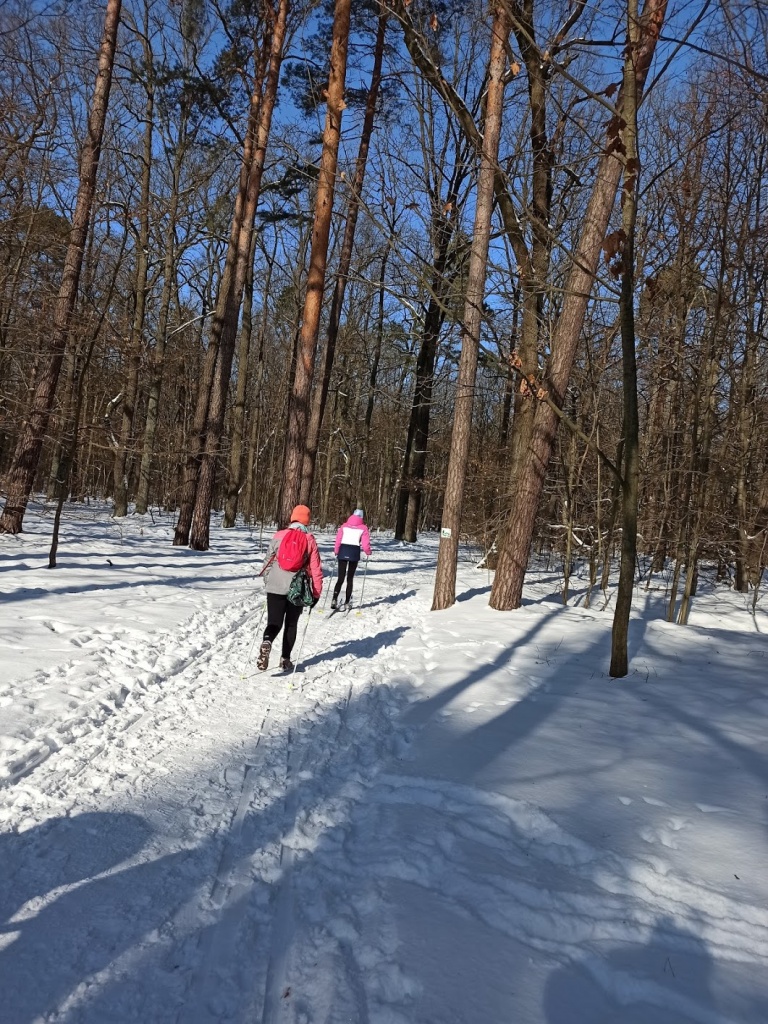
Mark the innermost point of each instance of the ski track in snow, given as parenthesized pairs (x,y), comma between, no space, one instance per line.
(133,733)
(234,846)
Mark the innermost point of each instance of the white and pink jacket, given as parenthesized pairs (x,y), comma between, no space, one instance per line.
(350,538)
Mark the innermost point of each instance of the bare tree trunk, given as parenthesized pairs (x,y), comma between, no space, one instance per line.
(412,476)
(230,299)
(298,412)
(157,358)
(445,578)
(409,494)
(254,447)
(207,379)
(238,410)
(21,476)
(631,427)
(136,340)
(507,587)
(374,371)
(345,258)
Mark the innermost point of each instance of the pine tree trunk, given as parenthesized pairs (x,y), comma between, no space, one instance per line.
(320,397)
(21,476)
(445,577)
(228,308)
(298,412)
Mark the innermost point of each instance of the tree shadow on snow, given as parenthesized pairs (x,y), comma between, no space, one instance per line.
(425,850)
(364,647)
(64,853)
(467,595)
(390,599)
(175,582)
(665,979)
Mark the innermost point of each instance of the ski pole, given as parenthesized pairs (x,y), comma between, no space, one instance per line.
(327,592)
(253,642)
(362,589)
(301,646)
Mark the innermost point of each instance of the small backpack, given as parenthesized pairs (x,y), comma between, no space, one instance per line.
(293,552)
(300,590)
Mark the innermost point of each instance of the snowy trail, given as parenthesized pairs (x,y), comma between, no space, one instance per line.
(200,756)
(450,818)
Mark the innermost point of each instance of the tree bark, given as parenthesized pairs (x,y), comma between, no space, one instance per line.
(445,578)
(631,428)
(414,457)
(517,535)
(206,385)
(136,340)
(21,476)
(231,298)
(345,259)
(157,358)
(298,412)
(235,472)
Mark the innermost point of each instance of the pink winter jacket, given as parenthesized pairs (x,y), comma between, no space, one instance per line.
(277,580)
(351,537)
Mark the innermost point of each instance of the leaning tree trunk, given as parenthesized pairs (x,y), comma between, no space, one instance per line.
(298,412)
(21,476)
(507,590)
(345,259)
(447,558)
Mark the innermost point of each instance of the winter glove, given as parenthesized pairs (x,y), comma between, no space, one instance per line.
(314,602)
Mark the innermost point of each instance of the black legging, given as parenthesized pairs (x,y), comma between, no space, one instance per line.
(279,610)
(347,569)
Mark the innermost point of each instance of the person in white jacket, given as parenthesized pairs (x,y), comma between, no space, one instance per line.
(352,538)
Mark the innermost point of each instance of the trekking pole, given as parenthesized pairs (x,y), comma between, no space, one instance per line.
(301,646)
(327,592)
(253,642)
(362,589)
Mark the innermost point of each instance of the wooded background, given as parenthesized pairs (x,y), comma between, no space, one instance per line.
(276,287)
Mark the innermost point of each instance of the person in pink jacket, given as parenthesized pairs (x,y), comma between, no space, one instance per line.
(281,614)
(352,538)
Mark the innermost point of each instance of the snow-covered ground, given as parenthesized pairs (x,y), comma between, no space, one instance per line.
(451,818)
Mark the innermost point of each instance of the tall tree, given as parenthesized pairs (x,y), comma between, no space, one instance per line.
(231,294)
(445,578)
(136,337)
(628,148)
(21,476)
(345,260)
(298,412)
(530,469)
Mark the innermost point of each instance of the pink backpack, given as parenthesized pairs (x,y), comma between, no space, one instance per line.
(293,552)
